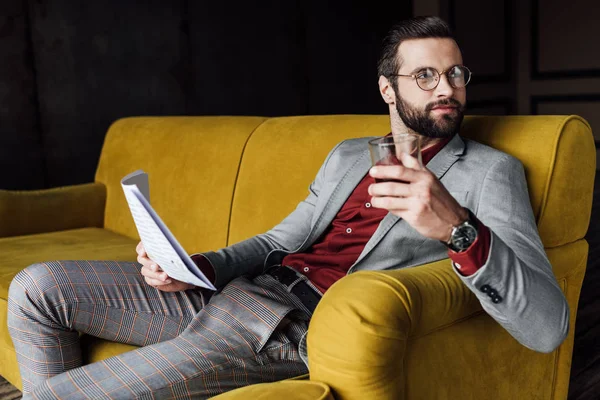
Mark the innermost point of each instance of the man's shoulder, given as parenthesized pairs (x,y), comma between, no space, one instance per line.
(478,151)
(360,142)
(355,145)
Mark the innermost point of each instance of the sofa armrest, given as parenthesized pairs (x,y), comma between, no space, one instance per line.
(49,210)
(357,338)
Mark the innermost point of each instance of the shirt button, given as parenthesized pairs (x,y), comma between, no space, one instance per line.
(306,269)
(348,230)
(368,205)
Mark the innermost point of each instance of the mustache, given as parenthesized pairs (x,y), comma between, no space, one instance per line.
(446,102)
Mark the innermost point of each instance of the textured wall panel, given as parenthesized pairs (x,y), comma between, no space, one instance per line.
(482,30)
(343,45)
(98,61)
(21,162)
(249,58)
(567,37)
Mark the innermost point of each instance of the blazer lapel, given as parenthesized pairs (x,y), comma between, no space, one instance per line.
(438,165)
(340,194)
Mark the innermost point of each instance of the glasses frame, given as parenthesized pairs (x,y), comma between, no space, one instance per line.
(445,72)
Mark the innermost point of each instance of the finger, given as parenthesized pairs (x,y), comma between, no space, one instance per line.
(153,271)
(144,261)
(159,273)
(140,249)
(395,172)
(410,162)
(156,282)
(391,203)
(393,188)
(158,276)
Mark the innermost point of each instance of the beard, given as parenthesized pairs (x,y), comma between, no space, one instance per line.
(422,122)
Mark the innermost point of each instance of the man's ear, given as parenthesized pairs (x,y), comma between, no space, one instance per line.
(386,90)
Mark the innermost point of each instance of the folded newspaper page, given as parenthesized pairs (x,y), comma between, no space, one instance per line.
(159,242)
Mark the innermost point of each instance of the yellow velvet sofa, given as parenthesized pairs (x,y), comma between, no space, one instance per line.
(218,180)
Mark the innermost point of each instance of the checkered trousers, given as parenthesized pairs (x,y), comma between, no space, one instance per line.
(247,333)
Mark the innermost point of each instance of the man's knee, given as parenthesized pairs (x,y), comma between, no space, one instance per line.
(25,282)
(32,290)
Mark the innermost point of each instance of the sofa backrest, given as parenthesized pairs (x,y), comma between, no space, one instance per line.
(192,163)
(280,161)
(283,155)
(559,156)
(219,180)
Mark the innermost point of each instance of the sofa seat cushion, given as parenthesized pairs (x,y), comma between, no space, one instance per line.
(78,244)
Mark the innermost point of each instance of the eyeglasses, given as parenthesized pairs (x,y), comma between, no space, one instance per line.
(429,78)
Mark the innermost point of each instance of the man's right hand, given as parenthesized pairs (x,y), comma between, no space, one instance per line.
(155,276)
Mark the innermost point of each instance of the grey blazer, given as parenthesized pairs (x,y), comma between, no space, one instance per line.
(490,183)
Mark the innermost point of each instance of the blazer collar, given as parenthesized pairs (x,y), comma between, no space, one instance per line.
(447,156)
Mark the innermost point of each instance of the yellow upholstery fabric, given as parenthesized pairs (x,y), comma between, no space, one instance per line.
(39,211)
(97,349)
(559,156)
(192,163)
(281,160)
(288,390)
(417,333)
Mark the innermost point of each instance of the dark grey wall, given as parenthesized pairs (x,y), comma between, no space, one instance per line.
(71,68)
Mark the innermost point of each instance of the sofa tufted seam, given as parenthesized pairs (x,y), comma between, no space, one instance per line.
(237,175)
(553,160)
(449,324)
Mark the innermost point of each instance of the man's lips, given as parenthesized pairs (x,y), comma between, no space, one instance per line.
(444,108)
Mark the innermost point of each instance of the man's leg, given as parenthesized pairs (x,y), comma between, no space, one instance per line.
(237,339)
(49,303)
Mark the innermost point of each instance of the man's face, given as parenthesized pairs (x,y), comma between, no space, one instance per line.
(437,113)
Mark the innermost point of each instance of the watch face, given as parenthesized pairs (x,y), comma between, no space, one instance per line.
(464,236)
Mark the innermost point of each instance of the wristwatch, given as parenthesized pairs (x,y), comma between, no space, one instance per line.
(463,235)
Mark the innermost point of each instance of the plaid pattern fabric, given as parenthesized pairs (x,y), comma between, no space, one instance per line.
(191,349)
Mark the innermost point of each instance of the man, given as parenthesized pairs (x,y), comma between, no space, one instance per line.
(253,329)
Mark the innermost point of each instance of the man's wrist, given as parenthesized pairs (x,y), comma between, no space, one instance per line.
(464,234)
(461,217)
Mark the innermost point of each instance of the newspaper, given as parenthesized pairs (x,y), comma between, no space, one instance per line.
(160,244)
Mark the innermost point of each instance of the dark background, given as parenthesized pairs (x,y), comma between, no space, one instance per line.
(70,68)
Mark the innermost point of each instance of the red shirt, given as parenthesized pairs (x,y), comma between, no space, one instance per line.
(330,258)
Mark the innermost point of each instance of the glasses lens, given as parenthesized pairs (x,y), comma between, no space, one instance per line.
(427,78)
(459,76)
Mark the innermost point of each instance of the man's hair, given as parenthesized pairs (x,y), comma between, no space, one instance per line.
(413,28)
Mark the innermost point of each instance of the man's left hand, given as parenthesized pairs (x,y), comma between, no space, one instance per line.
(417,196)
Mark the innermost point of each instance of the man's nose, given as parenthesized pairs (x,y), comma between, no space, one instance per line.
(444,89)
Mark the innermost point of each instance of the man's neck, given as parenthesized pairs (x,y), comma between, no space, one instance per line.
(398,127)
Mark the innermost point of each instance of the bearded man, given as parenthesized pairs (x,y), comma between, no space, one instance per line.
(469,203)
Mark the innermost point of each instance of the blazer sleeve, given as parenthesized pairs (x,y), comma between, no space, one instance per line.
(516,286)
(247,257)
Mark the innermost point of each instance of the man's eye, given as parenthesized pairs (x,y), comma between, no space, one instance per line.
(455,73)
(425,74)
